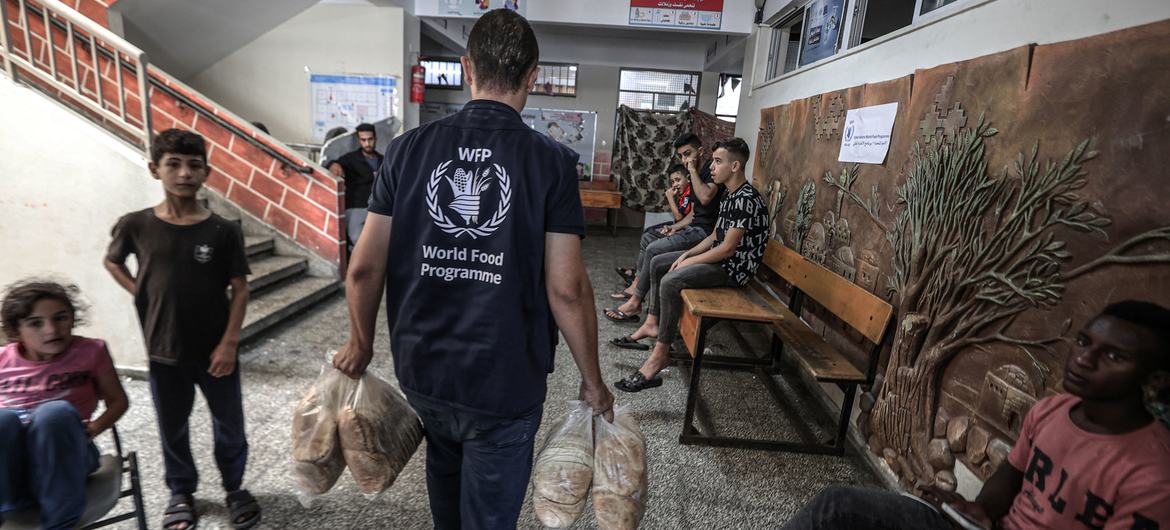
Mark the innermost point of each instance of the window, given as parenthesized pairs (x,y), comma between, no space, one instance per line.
(443,73)
(727,104)
(784,52)
(875,18)
(823,24)
(658,90)
(556,79)
(930,5)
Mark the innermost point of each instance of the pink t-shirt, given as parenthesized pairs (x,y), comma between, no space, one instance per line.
(71,376)
(1077,479)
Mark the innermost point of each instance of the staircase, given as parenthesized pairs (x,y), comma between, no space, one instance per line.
(282,284)
(288,208)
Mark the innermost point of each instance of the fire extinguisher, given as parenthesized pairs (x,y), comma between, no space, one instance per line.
(418,78)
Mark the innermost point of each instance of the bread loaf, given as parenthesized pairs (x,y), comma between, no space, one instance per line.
(317,458)
(378,433)
(564,470)
(619,478)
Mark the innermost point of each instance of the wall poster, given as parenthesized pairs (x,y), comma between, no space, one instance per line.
(475,8)
(696,14)
(823,32)
(347,100)
(576,129)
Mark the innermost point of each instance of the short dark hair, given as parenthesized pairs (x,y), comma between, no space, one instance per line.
(1150,316)
(177,142)
(503,50)
(677,168)
(687,138)
(736,147)
(261,126)
(365,127)
(20,297)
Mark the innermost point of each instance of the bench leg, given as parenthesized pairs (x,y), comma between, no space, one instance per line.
(777,354)
(693,391)
(843,424)
(136,488)
(611,221)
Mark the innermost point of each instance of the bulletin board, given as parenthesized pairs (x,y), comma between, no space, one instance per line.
(345,100)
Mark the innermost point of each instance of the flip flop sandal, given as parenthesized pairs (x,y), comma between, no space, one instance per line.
(621,317)
(180,510)
(244,510)
(628,343)
(620,296)
(627,274)
(636,382)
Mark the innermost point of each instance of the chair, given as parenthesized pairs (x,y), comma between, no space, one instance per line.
(102,492)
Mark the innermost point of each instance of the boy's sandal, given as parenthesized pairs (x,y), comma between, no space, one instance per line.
(636,382)
(244,510)
(628,343)
(621,317)
(626,273)
(180,510)
(620,296)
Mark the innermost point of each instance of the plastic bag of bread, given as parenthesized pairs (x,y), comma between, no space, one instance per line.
(564,469)
(379,432)
(619,472)
(316,450)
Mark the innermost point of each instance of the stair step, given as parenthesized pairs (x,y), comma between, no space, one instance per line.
(270,270)
(284,302)
(256,246)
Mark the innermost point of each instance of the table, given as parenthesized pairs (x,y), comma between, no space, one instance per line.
(611,200)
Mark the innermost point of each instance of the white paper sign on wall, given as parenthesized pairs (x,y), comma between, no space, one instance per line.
(866,138)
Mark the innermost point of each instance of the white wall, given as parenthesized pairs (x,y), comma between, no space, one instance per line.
(974,29)
(265,80)
(63,184)
(737,14)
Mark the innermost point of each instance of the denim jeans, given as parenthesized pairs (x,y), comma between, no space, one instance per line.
(173,390)
(666,289)
(847,508)
(478,466)
(45,463)
(682,240)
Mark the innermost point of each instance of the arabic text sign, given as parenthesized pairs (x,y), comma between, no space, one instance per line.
(866,138)
(697,14)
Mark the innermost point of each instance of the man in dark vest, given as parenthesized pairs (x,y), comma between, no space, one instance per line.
(357,168)
(481,271)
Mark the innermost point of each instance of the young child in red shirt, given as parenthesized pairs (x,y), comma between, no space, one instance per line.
(50,385)
(1092,458)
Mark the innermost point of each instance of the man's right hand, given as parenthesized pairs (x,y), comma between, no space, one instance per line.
(599,398)
(352,360)
(667,230)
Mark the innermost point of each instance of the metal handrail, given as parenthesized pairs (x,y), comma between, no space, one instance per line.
(98,39)
(142,72)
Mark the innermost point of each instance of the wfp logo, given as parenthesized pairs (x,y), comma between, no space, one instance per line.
(849,132)
(467,189)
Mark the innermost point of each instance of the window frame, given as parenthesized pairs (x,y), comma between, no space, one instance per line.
(774,67)
(443,59)
(734,117)
(919,16)
(576,78)
(698,75)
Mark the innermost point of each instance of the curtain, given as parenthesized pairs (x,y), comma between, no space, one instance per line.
(641,153)
(710,128)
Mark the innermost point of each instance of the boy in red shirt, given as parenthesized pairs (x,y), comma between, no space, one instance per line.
(1091,458)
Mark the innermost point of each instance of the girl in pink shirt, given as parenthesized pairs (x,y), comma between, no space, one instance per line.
(50,384)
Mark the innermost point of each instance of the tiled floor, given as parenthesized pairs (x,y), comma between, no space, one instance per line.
(690,487)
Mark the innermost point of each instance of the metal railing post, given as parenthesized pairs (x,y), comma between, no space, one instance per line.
(5,40)
(144,100)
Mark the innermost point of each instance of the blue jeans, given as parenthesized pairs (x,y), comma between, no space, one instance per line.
(173,390)
(45,463)
(478,466)
(684,239)
(845,508)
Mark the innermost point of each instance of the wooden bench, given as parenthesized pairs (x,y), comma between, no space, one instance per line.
(611,200)
(859,309)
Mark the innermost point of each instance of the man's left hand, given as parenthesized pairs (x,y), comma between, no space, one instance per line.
(223,360)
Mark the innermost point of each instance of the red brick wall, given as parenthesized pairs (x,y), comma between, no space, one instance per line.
(304,207)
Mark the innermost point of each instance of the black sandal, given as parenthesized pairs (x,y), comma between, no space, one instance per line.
(180,510)
(626,273)
(244,510)
(636,382)
(628,343)
(621,317)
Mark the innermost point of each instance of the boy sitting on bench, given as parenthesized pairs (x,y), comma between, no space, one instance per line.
(729,256)
(1091,458)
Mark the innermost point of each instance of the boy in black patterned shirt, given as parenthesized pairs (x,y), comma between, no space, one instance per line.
(728,257)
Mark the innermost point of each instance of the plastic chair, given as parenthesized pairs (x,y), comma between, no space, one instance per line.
(103,489)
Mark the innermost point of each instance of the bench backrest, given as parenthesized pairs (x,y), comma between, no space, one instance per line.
(854,305)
